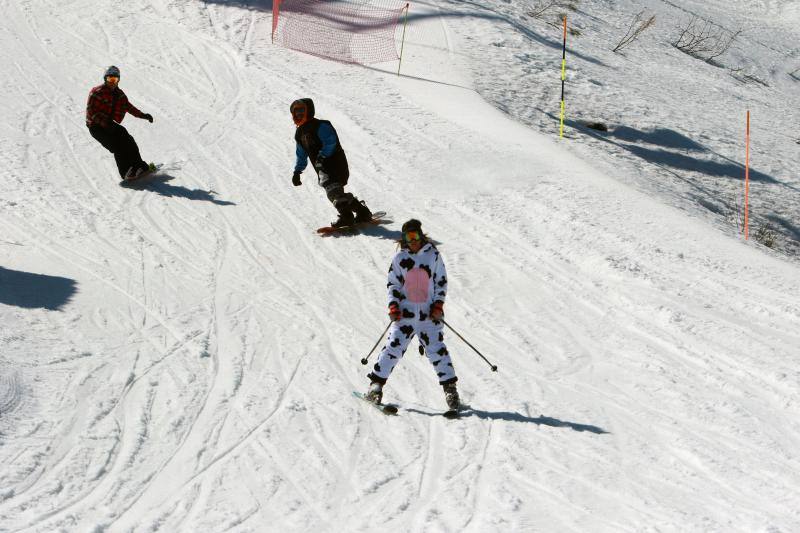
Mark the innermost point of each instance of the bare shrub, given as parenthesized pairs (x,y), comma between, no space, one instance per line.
(637,26)
(766,236)
(734,214)
(540,9)
(704,40)
(544,10)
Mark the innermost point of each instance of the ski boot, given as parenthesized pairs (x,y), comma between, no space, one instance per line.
(362,212)
(136,172)
(130,174)
(451,396)
(374,393)
(345,218)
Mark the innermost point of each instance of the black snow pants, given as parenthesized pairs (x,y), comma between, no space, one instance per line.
(116,139)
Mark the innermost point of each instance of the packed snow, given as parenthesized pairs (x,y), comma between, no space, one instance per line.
(181,355)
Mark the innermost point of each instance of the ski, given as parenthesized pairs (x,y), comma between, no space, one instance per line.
(377,218)
(383,408)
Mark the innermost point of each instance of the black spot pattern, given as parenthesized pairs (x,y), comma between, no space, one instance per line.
(441,374)
(422,315)
(441,336)
(395,343)
(407,263)
(407,314)
(427,269)
(442,282)
(442,351)
(401,279)
(424,338)
(399,295)
(408,330)
(377,367)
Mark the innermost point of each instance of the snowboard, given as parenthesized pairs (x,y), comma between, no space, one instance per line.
(383,408)
(152,168)
(377,218)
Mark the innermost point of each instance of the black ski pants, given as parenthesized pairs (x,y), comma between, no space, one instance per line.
(116,139)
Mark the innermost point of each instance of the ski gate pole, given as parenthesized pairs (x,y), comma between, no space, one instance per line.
(563,77)
(403,41)
(364,359)
(493,367)
(747,180)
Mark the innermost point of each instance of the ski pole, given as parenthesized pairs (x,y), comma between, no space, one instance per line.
(364,360)
(493,367)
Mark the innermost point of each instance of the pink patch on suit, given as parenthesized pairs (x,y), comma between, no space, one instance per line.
(416,285)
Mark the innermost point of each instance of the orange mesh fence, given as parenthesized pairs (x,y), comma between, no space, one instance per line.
(351,31)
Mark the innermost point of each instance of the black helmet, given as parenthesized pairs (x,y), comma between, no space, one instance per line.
(412,225)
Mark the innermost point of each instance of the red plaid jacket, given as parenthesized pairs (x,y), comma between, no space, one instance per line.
(105,102)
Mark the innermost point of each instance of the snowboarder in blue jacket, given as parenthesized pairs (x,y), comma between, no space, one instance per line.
(317,141)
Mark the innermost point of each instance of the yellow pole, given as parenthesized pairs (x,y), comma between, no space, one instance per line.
(403,41)
(747,180)
(563,77)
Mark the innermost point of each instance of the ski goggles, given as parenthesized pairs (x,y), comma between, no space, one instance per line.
(412,236)
(112,78)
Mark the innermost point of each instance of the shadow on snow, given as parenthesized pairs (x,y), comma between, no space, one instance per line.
(377,230)
(35,291)
(517,417)
(158,184)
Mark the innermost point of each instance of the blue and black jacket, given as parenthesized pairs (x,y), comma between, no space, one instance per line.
(318,139)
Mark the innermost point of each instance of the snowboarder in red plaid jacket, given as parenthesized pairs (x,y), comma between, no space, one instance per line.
(105,110)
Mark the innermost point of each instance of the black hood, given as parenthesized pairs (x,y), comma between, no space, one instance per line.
(309,103)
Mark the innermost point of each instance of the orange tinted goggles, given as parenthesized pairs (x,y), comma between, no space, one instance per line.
(412,236)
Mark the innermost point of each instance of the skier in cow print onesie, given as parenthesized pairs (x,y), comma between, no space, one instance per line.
(417,287)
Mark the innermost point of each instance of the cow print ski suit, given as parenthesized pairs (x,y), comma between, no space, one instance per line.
(415,282)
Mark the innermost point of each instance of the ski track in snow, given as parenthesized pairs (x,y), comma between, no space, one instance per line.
(200,376)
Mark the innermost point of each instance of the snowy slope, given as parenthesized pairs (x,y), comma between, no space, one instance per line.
(676,124)
(180,357)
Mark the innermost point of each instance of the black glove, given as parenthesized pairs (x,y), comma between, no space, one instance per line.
(296,179)
(320,163)
(148,117)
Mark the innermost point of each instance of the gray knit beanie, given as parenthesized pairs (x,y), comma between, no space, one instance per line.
(111,71)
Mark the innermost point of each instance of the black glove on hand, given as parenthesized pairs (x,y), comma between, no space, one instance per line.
(296,179)
(148,117)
